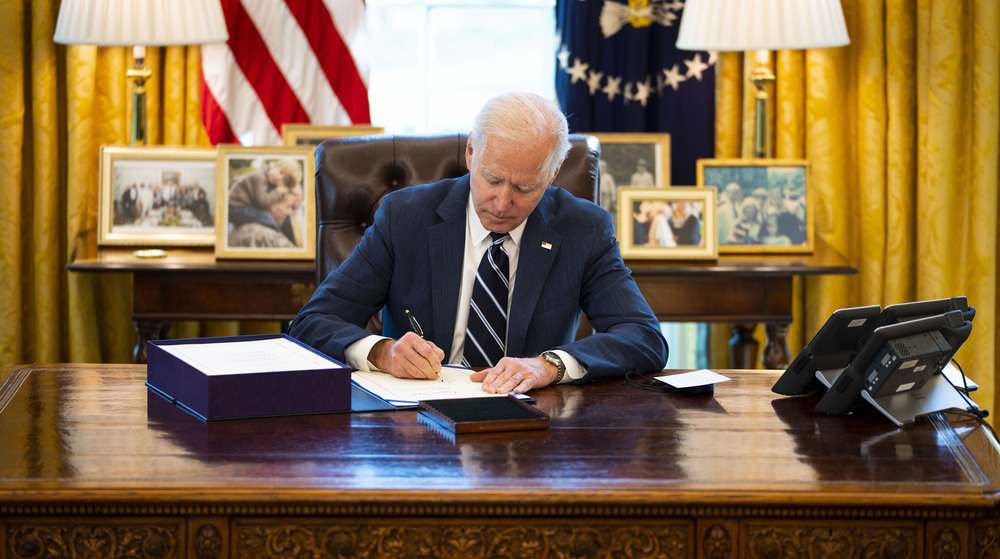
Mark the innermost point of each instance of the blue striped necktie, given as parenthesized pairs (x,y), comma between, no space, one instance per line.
(486,333)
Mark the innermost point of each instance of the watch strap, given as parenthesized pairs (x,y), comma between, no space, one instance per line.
(553,357)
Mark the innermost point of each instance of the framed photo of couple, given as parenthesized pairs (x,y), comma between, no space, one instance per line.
(667,223)
(764,205)
(265,202)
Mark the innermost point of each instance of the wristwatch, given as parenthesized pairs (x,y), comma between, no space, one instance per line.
(553,357)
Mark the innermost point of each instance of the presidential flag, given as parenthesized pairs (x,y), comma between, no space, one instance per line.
(286,61)
(618,70)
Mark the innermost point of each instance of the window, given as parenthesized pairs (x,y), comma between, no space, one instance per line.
(434,62)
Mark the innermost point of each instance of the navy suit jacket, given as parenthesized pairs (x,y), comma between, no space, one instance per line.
(411,258)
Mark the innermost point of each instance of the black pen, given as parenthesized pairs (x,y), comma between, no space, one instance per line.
(418,331)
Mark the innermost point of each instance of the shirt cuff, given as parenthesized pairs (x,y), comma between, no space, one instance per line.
(356,354)
(574,371)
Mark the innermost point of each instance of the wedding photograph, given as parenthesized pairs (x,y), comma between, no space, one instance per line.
(669,223)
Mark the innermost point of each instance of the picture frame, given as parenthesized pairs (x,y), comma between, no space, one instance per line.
(620,157)
(779,189)
(656,223)
(298,134)
(265,202)
(153,196)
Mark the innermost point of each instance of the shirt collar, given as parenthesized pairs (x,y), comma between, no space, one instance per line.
(480,233)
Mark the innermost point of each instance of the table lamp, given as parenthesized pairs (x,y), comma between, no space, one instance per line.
(761,26)
(138,24)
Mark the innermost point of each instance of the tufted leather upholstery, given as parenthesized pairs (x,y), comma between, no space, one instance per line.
(353,174)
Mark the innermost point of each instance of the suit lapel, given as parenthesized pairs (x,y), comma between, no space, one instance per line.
(539,246)
(446,242)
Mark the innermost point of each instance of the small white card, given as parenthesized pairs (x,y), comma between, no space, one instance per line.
(701,377)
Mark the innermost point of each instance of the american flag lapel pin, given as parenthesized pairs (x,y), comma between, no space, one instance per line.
(547,246)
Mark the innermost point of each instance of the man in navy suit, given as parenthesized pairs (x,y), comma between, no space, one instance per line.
(424,247)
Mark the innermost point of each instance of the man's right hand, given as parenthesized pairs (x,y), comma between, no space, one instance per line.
(408,357)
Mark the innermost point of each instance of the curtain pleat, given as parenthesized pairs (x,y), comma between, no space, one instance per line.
(896,237)
(985,168)
(96,114)
(46,243)
(729,85)
(13,321)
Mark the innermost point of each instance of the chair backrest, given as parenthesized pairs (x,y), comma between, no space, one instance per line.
(353,174)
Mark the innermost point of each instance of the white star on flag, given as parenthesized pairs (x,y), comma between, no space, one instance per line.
(695,66)
(563,57)
(594,81)
(642,91)
(613,88)
(578,71)
(673,77)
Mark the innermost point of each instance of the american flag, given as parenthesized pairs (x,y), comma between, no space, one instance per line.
(286,61)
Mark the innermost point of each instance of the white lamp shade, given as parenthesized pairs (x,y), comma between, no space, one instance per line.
(741,25)
(126,23)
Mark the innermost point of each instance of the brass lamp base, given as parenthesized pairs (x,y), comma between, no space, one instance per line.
(762,77)
(139,73)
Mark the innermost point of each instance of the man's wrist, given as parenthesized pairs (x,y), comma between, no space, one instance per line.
(553,358)
(356,354)
(378,356)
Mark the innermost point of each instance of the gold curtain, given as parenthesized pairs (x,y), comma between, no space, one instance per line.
(60,104)
(901,128)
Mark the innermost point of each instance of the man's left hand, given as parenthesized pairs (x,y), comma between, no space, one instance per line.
(517,375)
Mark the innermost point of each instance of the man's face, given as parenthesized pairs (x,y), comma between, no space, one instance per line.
(507,182)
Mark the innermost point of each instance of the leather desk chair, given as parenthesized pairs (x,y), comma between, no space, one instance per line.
(353,174)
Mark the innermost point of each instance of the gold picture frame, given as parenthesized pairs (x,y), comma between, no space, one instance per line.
(667,223)
(266,201)
(780,192)
(297,134)
(621,153)
(156,196)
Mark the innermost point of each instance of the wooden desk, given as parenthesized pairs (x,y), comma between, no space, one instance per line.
(191,284)
(93,464)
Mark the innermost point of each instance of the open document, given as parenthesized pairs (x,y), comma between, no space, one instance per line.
(406,392)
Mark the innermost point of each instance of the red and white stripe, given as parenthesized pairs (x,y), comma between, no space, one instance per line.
(285,61)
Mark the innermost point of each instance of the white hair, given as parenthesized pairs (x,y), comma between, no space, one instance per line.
(523,118)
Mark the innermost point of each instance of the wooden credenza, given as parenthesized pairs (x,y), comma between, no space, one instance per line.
(92,464)
(190,284)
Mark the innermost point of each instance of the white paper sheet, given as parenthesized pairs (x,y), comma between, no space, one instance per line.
(257,356)
(408,391)
(701,377)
